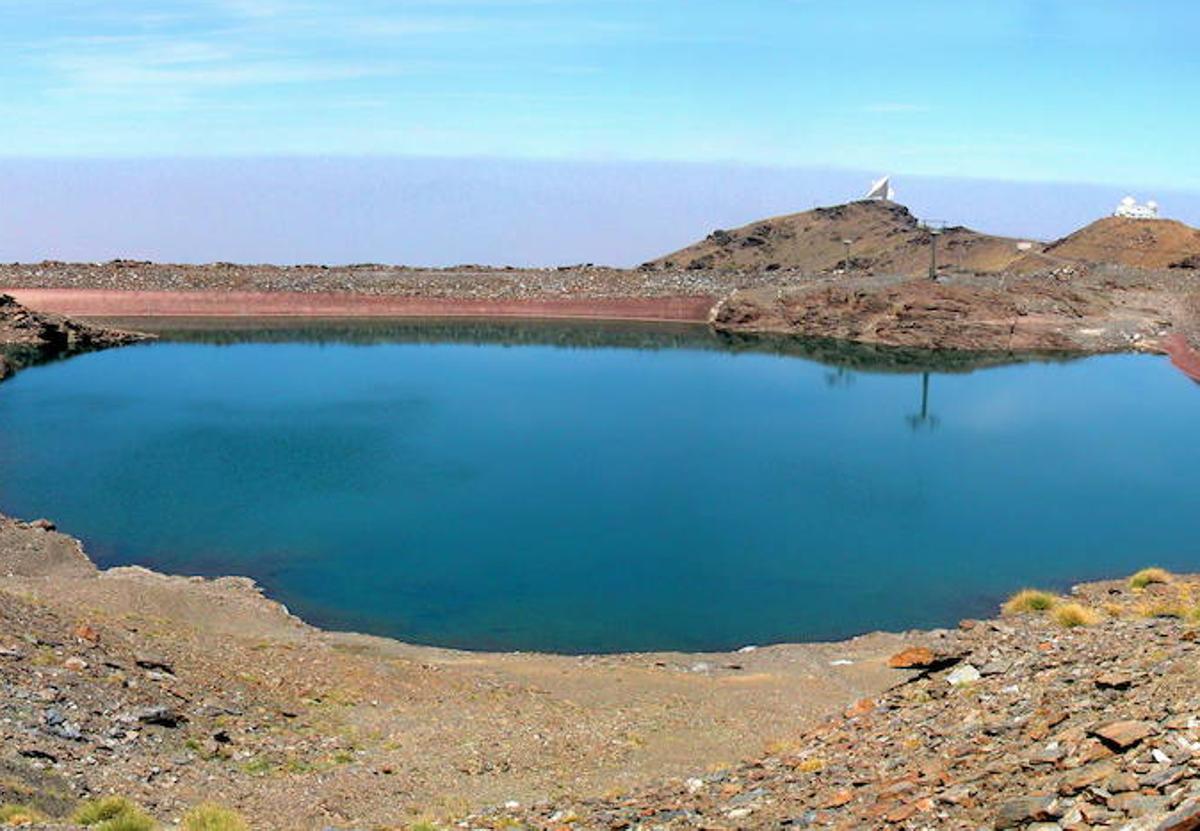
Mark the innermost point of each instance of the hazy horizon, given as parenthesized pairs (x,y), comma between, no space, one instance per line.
(437,132)
(441,212)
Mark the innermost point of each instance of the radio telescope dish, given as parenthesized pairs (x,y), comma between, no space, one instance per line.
(882,190)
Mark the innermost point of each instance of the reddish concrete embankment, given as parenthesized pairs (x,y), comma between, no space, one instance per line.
(107,303)
(1183,356)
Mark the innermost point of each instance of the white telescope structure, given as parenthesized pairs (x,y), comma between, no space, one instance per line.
(881,190)
(1130,209)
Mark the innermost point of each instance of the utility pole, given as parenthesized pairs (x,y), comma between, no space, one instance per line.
(847,243)
(934,230)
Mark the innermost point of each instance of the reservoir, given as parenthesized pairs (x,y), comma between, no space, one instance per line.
(599,488)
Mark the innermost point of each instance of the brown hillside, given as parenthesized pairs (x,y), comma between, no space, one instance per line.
(1140,243)
(887,239)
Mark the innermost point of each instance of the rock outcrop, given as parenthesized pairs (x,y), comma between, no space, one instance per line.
(27,337)
(1076,312)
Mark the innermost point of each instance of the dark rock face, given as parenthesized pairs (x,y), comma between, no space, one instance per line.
(28,338)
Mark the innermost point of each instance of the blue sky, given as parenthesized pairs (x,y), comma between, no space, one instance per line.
(537,132)
(1098,91)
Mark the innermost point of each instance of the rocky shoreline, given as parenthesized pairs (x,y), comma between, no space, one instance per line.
(1065,713)
(1070,308)
(171,691)
(1081,716)
(28,337)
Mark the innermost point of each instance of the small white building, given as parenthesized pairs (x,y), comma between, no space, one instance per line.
(1130,209)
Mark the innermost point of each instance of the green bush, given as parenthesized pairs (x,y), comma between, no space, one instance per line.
(213,818)
(114,813)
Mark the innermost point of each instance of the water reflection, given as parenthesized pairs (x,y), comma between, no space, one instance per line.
(843,357)
(923,420)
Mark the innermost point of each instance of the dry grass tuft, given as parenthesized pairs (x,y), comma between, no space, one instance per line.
(1163,608)
(1149,576)
(20,816)
(1029,600)
(1071,615)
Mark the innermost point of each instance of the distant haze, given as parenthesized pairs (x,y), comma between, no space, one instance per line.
(439,212)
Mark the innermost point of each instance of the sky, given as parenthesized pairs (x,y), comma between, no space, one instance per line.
(1062,92)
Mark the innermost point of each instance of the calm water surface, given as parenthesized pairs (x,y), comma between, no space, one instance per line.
(597,489)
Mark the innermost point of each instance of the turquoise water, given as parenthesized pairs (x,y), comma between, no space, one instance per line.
(606,488)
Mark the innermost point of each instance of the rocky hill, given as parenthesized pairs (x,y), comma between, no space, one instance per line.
(1138,243)
(887,239)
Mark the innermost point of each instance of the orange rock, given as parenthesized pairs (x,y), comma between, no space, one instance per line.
(915,657)
(86,633)
(838,798)
(1122,735)
(860,708)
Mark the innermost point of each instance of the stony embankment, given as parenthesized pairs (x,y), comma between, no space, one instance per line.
(462,283)
(27,337)
(1082,716)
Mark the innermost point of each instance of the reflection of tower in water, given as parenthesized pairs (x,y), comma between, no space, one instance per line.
(839,377)
(924,419)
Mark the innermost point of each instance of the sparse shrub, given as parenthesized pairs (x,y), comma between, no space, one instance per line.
(99,810)
(423,826)
(137,821)
(114,813)
(1163,609)
(1071,615)
(16,816)
(213,818)
(1148,576)
(1029,600)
